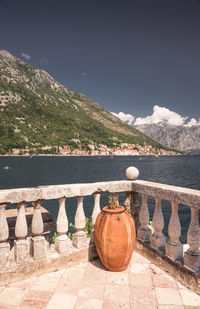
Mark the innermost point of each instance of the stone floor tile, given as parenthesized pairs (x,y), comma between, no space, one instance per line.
(171,307)
(88,303)
(141,280)
(46,283)
(24,284)
(76,273)
(144,296)
(45,296)
(9,307)
(121,278)
(95,290)
(137,268)
(118,293)
(107,304)
(33,304)
(137,258)
(167,296)
(191,307)
(95,275)
(2,288)
(189,298)
(12,296)
(68,286)
(62,301)
(164,281)
(143,306)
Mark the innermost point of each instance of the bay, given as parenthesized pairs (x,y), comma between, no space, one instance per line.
(25,172)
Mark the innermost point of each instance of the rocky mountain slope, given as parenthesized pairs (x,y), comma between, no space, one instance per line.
(186,139)
(168,128)
(35,111)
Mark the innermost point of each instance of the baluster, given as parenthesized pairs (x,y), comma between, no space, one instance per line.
(39,245)
(192,255)
(79,239)
(174,248)
(127,201)
(62,243)
(132,206)
(158,240)
(4,234)
(144,231)
(116,198)
(135,209)
(96,211)
(21,244)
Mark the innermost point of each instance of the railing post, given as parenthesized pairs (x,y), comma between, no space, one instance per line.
(79,239)
(192,255)
(174,248)
(96,211)
(4,234)
(21,244)
(135,209)
(132,206)
(116,198)
(158,240)
(62,242)
(144,231)
(38,242)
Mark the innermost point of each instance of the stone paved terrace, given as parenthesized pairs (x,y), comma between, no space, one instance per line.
(89,286)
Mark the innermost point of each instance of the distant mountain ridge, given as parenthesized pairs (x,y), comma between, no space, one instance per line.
(168,128)
(36,110)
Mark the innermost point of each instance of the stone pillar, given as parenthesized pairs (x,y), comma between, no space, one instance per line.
(21,245)
(96,211)
(4,234)
(79,239)
(192,255)
(62,242)
(174,248)
(39,247)
(158,240)
(144,231)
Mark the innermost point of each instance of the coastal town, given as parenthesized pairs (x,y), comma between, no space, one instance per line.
(123,149)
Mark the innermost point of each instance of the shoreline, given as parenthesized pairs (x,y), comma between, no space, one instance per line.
(100,155)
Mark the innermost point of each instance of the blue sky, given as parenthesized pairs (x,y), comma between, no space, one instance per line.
(126,55)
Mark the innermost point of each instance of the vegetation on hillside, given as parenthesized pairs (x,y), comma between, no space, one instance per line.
(56,117)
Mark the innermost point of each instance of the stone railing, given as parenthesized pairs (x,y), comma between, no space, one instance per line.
(32,249)
(28,249)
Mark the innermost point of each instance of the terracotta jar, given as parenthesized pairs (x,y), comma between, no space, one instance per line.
(115,237)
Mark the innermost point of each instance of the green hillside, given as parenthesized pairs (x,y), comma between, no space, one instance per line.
(35,111)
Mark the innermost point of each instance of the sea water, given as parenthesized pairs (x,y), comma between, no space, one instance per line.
(22,172)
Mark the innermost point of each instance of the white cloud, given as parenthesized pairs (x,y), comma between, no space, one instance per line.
(26,56)
(84,74)
(192,122)
(160,114)
(125,117)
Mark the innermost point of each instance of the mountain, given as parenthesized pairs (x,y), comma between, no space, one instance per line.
(186,139)
(36,110)
(168,128)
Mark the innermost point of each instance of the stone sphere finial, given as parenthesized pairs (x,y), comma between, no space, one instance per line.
(132,172)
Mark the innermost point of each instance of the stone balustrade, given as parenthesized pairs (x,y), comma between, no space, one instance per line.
(35,248)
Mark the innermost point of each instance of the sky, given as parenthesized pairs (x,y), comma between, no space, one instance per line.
(129,56)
